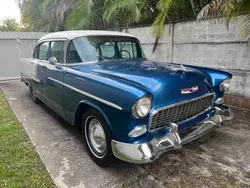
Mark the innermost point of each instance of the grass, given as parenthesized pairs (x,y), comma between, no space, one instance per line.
(20,165)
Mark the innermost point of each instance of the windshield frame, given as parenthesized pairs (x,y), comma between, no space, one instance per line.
(138,48)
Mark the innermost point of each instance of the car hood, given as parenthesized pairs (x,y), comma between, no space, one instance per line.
(163,80)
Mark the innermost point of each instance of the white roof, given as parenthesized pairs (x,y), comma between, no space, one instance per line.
(81,33)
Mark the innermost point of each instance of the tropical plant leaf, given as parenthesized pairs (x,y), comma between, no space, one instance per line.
(211,10)
(125,12)
(230,9)
(244,24)
(158,26)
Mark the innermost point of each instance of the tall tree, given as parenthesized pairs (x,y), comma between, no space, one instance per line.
(33,15)
(125,12)
(130,11)
(55,15)
(87,14)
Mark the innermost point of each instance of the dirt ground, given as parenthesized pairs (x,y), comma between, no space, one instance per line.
(221,159)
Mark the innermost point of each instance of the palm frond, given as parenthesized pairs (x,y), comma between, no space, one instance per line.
(244,24)
(211,10)
(230,9)
(78,16)
(127,12)
(158,26)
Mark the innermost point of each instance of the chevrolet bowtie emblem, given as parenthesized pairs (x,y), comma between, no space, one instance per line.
(190,90)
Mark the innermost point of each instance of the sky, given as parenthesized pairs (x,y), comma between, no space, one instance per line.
(9,8)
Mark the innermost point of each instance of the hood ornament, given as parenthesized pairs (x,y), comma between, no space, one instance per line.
(190,90)
(180,68)
(183,68)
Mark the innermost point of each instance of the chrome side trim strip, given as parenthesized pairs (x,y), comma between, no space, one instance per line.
(87,94)
(31,77)
(80,63)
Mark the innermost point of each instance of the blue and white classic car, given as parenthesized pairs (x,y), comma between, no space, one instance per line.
(124,104)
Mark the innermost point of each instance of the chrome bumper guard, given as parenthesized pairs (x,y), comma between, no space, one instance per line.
(148,152)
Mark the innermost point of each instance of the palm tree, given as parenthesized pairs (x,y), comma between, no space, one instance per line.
(130,12)
(231,10)
(125,12)
(9,24)
(87,14)
(57,15)
(33,15)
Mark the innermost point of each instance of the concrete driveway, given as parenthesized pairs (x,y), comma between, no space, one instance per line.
(220,159)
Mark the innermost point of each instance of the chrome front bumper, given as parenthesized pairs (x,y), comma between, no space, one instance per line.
(148,152)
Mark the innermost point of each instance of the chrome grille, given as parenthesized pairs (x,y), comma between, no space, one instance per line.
(180,112)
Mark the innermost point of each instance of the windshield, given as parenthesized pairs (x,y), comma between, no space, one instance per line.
(97,48)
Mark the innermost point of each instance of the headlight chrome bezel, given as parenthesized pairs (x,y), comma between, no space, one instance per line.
(224,85)
(137,112)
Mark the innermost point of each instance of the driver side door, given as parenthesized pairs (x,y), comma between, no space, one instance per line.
(50,75)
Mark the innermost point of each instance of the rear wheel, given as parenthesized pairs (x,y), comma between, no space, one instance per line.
(97,137)
(33,95)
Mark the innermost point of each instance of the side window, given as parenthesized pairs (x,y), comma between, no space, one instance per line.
(57,50)
(108,49)
(43,51)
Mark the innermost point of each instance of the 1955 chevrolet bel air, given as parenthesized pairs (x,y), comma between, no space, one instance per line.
(125,105)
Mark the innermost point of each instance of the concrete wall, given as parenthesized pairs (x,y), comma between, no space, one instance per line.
(13,46)
(204,44)
(198,43)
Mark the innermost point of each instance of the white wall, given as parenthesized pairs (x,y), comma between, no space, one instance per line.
(14,45)
(198,43)
(203,43)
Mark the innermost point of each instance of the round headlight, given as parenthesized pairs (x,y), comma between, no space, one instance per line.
(224,86)
(142,107)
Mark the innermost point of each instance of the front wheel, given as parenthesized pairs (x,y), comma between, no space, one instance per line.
(97,136)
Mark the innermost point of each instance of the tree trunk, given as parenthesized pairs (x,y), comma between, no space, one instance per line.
(201,3)
(193,7)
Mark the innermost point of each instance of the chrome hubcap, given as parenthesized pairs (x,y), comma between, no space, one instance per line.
(97,137)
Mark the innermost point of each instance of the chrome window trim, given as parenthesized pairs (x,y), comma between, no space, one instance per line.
(50,40)
(87,94)
(180,103)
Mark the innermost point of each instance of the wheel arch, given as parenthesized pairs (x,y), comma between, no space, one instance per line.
(82,107)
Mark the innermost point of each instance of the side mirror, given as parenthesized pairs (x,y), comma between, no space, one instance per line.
(53,61)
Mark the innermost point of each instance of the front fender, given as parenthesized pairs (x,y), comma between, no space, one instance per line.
(214,76)
(91,104)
